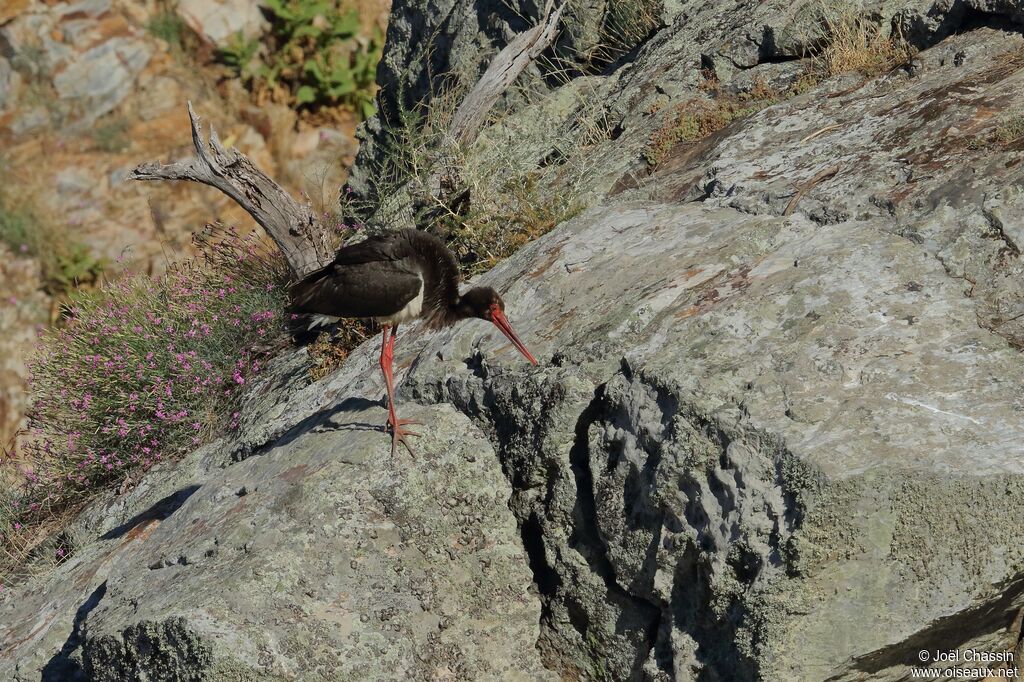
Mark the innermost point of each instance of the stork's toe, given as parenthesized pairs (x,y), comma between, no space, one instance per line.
(398,435)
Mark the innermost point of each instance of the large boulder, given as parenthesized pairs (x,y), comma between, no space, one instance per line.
(775,432)
(316,557)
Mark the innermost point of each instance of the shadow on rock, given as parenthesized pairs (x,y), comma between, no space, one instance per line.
(322,421)
(159,511)
(62,667)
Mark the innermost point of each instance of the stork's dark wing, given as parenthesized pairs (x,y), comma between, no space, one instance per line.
(369,279)
(391,246)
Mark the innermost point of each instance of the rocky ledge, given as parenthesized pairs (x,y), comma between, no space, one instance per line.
(775,433)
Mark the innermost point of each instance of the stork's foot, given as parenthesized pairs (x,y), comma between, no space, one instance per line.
(401,422)
(398,434)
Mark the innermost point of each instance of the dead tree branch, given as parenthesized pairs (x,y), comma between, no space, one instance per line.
(293,226)
(472,112)
(503,70)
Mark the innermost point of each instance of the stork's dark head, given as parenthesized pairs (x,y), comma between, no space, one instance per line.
(487,304)
(481,302)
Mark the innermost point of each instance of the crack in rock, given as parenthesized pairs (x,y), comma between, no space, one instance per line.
(651,527)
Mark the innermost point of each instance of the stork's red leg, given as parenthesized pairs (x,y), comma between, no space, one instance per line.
(387,354)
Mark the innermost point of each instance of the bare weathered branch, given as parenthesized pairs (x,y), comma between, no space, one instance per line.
(472,112)
(503,70)
(293,226)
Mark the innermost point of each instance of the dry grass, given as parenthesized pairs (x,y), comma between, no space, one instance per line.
(851,44)
(486,199)
(696,119)
(626,25)
(497,198)
(1010,128)
(505,218)
(623,27)
(329,352)
(855,44)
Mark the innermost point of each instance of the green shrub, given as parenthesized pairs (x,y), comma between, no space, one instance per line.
(18,230)
(167,26)
(112,136)
(313,56)
(66,264)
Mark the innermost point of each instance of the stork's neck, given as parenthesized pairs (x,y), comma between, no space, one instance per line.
(442,303)
(460,309)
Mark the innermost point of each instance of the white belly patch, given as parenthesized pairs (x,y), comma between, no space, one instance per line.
(410,312)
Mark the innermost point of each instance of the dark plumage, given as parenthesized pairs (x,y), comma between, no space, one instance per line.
(378,277)
(395,278)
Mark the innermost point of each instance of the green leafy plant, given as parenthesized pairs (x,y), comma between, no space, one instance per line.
(112,136)
(168,26)
(240,55)
(66,263)
(75,265)
(314,56)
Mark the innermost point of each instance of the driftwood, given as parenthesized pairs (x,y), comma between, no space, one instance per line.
(293,226)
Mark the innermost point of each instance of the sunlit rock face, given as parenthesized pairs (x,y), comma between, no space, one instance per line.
(774,434)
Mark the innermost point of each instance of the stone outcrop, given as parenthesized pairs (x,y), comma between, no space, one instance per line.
(221,21)
(775,433)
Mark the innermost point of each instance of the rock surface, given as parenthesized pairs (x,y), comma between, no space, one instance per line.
(23,310)
(318,557)
(220,21)
(775,434)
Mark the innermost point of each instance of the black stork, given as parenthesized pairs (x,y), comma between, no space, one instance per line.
(396,278)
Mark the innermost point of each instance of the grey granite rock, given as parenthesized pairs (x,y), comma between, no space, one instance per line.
(775,433)
(319,558)
(220,21)
(748,465)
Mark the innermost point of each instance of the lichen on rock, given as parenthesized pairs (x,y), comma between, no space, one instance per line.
(774,433)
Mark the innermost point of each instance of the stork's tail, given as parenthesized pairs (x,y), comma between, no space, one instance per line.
(306,327)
